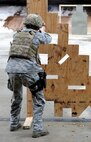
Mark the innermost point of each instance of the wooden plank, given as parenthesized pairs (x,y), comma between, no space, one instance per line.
(55,54)
(57,109)
(51,22)
(78,108)
(57,89)
(77,71)
(28,122)
(41,7)
(73,51)
(65,62)
(38,6)
(73,71)
(29,104)
(63,35)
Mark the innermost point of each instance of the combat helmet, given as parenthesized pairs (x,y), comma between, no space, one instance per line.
(34,19)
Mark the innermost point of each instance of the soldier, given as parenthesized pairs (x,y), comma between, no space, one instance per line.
(23,68)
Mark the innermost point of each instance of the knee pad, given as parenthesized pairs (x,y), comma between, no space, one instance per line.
(38,86)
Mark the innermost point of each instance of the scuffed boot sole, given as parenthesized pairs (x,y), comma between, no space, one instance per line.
(13,128)
(37,134)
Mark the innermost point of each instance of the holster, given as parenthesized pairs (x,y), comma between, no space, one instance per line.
(42,76)
(9,85)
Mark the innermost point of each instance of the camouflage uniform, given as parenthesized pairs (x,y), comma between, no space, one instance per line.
(25,72)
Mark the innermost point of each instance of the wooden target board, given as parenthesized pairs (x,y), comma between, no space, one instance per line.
(71,86)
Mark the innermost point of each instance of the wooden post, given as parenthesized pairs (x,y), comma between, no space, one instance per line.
(28,121)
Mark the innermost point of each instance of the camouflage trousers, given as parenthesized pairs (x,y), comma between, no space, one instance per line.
(17,81)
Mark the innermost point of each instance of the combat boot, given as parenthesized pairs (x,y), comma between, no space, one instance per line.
(39,133)
(14,128)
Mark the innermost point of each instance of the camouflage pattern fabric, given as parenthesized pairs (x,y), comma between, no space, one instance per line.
(17,80)
(34,19)
(25,66)
(22,45)
(25,72)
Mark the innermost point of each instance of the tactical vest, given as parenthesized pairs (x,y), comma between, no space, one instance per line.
(22,46)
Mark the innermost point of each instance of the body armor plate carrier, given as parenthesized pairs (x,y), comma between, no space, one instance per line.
(22,46)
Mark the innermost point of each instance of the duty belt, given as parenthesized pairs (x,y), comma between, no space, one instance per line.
(19,56)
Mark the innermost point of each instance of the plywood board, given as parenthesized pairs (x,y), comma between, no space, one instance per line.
(41,7)
(29,104)
(71,88)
